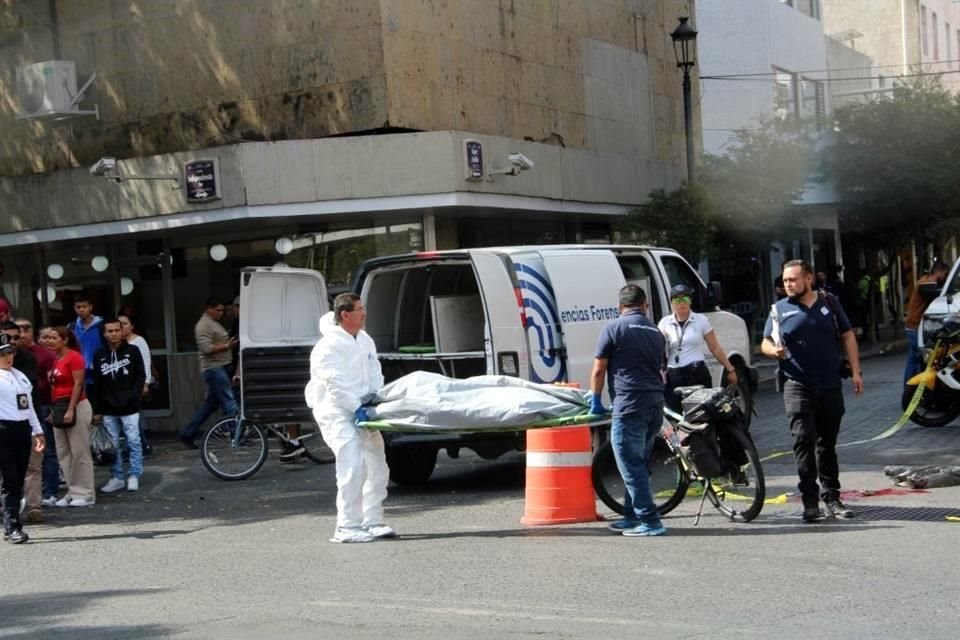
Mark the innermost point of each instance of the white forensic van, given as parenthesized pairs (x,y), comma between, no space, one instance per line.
(534,312)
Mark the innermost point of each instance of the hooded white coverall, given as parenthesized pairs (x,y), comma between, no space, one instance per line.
(343,371)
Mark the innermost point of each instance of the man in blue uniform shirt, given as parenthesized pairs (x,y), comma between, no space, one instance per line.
(631,350)
(805,332)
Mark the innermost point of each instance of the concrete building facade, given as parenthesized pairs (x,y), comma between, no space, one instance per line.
(331,130)
(901,36)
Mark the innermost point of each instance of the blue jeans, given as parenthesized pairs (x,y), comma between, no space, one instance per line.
(131,429)
(914,356)
(632,437)
(219,395)
(50,467)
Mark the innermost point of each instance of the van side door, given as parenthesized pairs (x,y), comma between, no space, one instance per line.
(505,337)
(585,286)
(280,312)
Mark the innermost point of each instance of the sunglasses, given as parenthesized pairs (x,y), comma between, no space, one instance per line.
(681,300)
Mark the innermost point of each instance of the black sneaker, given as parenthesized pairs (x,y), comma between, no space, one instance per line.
(839,510)
(291,452)
(188,442)
(812,514)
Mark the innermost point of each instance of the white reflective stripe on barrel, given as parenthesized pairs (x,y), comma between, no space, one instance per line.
(554,459)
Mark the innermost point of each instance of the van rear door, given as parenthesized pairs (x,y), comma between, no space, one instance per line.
(503,306)
(280,312)
(585,284)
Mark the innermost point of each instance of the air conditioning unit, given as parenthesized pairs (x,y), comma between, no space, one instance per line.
(49,90)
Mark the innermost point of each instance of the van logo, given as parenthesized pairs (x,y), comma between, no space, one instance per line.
(542,326)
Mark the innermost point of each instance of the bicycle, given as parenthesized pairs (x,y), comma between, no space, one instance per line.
(235,448)
(736,488)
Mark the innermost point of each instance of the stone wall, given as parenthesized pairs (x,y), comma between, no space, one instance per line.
(176,75)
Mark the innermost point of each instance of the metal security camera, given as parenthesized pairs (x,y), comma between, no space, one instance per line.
(104,166)
(520,161)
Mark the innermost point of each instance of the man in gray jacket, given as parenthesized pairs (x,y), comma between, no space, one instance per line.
(216,354)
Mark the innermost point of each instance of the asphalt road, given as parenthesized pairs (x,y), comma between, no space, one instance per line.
(190,556)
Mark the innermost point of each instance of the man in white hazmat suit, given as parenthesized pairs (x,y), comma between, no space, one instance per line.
(344,371)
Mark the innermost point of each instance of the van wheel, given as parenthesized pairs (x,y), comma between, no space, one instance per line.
(411,465)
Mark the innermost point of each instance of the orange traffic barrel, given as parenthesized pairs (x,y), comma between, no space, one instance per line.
(559,487)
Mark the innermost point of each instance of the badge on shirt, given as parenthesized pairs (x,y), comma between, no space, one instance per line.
(23,402)
(825,311)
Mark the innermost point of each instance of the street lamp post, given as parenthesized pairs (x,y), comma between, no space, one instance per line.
(684,48)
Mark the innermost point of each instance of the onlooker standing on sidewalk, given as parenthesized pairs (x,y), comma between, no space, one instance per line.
(73,441)
(43,469)
(631,348)
(18,421)
(4,310)
(88,330)
(915,308)
(215,348)
(115,394)
(130,334)
(802,333)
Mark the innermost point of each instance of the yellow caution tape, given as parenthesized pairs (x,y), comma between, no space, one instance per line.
(780,499)
(953,518)
(914,402)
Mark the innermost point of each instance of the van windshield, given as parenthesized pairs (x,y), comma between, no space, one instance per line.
(954,287)
(679,272)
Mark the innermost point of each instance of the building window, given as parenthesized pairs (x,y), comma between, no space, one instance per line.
(923,31)
(806,7)
(812,101)
(784,95)
(948,41)
(934,31)
(958,48)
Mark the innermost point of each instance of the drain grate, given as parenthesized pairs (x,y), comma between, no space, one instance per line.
(865,513)
(911,514)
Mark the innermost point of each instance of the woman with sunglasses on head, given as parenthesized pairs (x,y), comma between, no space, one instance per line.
(18,424)
(687,333)
(72,426)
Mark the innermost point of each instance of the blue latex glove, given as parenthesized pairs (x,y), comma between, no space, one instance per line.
(596,405)
(361,415)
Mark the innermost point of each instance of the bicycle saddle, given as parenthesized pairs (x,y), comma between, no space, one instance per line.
(683,392)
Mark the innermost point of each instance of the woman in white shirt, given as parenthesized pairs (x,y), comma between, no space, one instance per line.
(687,334)
(128,331)
(18,423)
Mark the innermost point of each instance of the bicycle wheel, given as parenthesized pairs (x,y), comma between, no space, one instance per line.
(233,458)
(313,445)
(740,494)
(667,480)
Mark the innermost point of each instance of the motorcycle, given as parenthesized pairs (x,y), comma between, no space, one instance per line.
(939,402)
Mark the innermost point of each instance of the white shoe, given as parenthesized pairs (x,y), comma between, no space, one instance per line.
(380,531)
(350,534)
(82,502)
(115,484)
(62,502)
(133,483)
(49,502)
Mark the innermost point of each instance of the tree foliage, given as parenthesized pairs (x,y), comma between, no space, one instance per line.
(896,162)
(679,219)
(754,185)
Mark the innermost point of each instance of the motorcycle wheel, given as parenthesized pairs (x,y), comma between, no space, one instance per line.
(937,408)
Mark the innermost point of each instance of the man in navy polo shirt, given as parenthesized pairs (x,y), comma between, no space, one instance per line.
(804,332)
(631,349)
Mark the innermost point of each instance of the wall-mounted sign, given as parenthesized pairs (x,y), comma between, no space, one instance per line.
(473,157)
(201,178)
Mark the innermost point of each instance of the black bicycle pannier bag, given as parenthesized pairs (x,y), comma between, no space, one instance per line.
(699,444)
